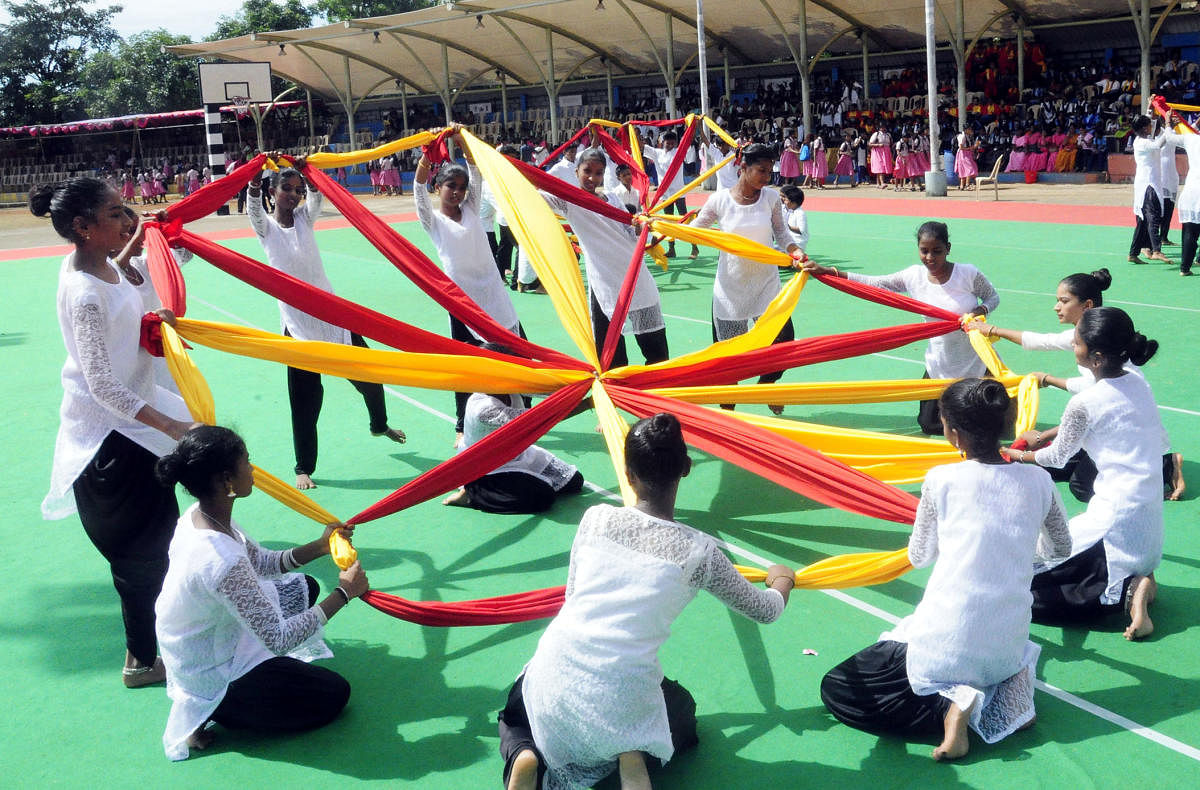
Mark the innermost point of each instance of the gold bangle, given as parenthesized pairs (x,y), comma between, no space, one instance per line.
(836,273)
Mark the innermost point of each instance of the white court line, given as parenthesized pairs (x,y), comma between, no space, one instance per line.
(1107,301)
(763,562)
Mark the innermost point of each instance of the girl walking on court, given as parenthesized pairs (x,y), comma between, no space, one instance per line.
(963,658)
(291,246)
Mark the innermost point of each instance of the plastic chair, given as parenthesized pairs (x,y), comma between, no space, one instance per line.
(993,179)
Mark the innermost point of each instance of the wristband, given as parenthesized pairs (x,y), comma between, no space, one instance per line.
(345,594)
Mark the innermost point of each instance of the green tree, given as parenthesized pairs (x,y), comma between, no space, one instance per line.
(135,76)
(340,10)
(42,51)
(260,16)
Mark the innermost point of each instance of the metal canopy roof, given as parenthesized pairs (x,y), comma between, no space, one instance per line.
(545,42)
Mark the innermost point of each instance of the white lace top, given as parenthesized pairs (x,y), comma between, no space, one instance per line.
(465,253)
(592,687)
(608,248)
(485,414)
(743,289)
(949,356)
(1116,421)
(106,379)
(226,606)
(981,526)
(294,251)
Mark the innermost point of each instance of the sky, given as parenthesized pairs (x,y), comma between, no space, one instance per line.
(195,19)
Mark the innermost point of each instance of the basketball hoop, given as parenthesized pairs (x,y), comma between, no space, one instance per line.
(241,106)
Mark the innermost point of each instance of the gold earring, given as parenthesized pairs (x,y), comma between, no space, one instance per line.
(232,493)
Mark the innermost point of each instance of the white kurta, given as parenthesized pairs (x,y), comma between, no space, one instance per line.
(465,253)
(608,248)
(1188,203)
(1147,160)
(294,251)
(797,224)
(1116,421)
(107,379)
(592,687)
(727,176)
(564,170)
(1168,171)
(949,356)
(981,526)
(226,606)
(662,159)
(485,414)
(743,288)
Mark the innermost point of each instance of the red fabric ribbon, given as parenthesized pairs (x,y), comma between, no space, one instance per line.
(620,153)
(570,193)
(415,265)
(487,611)
(780,460)
(664,179)
(498,447)
(150,337)
(436,150)
(164,271)
(888,298)
(546,165)
(210,197)
(624,296)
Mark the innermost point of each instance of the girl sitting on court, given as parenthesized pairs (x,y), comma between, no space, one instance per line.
(1077,293)
(461,242)
(236,626)
(1117,542)
(528,483)
(291,246)
(964,656)
(958,287)
(593,698)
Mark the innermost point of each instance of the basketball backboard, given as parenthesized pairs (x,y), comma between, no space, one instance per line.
(221,83)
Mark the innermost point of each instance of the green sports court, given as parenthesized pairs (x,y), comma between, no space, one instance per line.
(422,714)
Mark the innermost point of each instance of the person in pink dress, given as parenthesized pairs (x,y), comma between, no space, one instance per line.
(845,162)
(918,160)
(789,161)
(1035,158)
(900,178)
(126,187)
(1016,159)
(819,162)
(880,144)
(1055,143)
(965,166)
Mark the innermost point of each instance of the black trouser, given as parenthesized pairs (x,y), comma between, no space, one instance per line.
(870,691)
(653,344)
(516,736)
(505,247)
(1165,226)
(1070,592)
(283,694)
(1191,231)
(1146,232)
(242,199)
(130,518)
(459,331)
(929,415)
(306,393)
(517,492)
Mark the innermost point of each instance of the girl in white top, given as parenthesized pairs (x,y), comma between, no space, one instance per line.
(662,158)
(958,287)
(114,421)
(462,246)
(291,246)
(1188,203)
(1077,293)
(608,248)
(794,216)
(593,699)
(1147,189)
(1117,542)
(963,658)
(237,628)
(743,288)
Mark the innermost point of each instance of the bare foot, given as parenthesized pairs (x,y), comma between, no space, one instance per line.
(776,408)
(201,739)
(633,772)
(135,675)
(1140,624)
(395,434)
(458,440)
(304,482)
(524,771)
(955,743)
(459,498)
(1177,484)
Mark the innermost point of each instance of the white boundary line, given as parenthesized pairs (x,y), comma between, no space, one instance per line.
(1071,699)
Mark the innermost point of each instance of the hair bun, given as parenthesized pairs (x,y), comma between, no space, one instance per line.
(1141,349)
(39,199)
(168,468)
(1103,279)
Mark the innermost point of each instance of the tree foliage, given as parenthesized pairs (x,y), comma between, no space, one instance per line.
(42,52)
(135,76)
(260,16)
(340,10)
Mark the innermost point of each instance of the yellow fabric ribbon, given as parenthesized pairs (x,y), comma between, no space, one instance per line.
(846,570)
(615,429)
(722,240)
(327,159)
(450,372)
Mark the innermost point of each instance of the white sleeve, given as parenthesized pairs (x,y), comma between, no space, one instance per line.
(922,544)
(240,590)
(983,290)
(476,187)
(1054,538)
(1045,341)
(1071,430)
(254,210)
(87,324)
(893,282)
(424,206)
(708,214)
(313,205)
(732,589)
